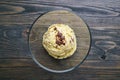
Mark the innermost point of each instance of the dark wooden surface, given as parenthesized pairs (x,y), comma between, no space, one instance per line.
(103,18)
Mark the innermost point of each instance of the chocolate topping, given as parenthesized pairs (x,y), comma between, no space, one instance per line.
(60,39)
(55,28)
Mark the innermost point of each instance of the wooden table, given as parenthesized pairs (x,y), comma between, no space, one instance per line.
(103,18)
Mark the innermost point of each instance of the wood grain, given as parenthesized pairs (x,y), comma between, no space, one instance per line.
(103,18)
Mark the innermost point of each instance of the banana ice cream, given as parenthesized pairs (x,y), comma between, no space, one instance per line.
(59,41)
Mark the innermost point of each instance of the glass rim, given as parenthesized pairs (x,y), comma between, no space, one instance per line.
(52,70)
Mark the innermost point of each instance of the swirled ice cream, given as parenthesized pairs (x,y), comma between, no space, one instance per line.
(59,41)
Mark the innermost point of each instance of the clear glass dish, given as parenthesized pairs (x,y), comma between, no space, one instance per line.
(40,55)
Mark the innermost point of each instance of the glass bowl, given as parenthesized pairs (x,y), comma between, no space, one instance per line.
(40,55)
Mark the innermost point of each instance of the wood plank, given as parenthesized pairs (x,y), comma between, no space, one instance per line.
(11,39)
(90,64)
(13,63)
(38,73)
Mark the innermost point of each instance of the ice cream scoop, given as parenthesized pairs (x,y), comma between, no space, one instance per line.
(59,41)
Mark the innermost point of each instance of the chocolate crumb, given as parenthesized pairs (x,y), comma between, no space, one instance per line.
(55,28)
(56,46)
(60,39)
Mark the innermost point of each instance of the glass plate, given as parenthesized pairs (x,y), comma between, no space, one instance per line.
(40,55)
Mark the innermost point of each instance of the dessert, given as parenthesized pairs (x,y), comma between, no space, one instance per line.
(59,41)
